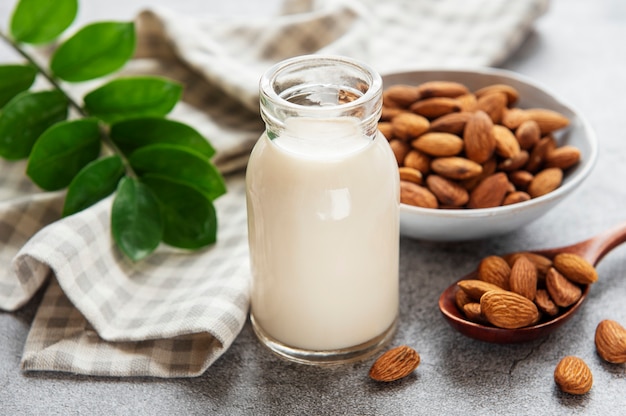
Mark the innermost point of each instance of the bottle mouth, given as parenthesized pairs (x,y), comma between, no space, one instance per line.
(320,86)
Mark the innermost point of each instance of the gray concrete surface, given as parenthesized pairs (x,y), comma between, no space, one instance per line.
(578,51)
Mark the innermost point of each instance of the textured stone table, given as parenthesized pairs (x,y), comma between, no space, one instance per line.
(578,50)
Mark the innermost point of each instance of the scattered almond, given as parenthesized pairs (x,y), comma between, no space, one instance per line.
(395,364)
(610,341)
(572,375)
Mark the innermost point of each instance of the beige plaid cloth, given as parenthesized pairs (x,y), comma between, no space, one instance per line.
(175,313)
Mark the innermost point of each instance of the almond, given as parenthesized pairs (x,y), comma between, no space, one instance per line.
(539,152)
(575,268)
(419,196)
(489,168)
(455,167)
(435,107)
(410,175)
(401,96)
(528,134)
(467,102)
(508,310)
(395,364)
(473,313)
(563,157)
(545,304)
(542,263)
(461,299)
(475,288)
(515,162)
(480,143)
(493,104)
(521,178)
(563,292)
(442,89)
(400,150)
(545,182)
(490,192)
(573,376)
(513,117)
(388,113)
(511,93)
(516,198)
(386,129)
(417,160)
(548,120)
(407,126)
(523,279)
(448,193)
(451,123)
(610,341)
(507,145)
(438,144)
(495,270)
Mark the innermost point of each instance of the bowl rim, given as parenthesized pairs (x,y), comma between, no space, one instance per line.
(562,190)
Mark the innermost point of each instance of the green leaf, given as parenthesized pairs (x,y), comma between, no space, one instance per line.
(133,97)
(94,182)
(15,79)
(96,50)
(25,117)
(42,21)
(180,164)
(136,221)
(130,135)
(62,151)
(190,220)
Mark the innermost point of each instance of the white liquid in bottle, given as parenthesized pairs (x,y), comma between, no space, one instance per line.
(323,229)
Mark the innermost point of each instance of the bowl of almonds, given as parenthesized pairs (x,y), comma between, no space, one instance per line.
(480,152)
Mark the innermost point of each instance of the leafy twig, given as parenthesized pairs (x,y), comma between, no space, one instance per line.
(43,72)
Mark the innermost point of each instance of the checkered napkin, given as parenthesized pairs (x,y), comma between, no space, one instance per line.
(175,313)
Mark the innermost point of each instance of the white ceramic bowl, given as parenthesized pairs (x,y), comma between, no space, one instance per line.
(469,224)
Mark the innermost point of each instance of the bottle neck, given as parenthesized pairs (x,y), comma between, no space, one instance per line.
(323,88)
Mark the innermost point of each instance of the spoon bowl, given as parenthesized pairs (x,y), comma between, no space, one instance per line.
(592,249)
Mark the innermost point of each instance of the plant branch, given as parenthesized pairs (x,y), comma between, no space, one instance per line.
(104,133)
(43,72)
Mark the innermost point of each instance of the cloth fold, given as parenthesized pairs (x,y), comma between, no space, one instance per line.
(175,313)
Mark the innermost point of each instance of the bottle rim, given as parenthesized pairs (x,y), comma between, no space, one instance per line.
(268,92)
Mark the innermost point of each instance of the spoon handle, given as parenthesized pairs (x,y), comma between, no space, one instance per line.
(595,248)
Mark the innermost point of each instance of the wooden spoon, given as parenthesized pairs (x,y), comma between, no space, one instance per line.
(593,250)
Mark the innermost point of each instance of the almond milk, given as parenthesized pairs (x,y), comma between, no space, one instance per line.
(323,230)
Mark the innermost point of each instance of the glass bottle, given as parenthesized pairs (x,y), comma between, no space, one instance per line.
(323,205)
